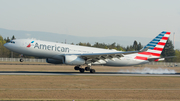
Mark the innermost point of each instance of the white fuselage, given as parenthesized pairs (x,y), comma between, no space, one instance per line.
(58,50)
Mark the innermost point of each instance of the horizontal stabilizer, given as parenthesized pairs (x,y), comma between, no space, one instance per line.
(160,58)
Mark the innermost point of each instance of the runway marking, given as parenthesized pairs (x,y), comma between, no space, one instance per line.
(88,74)
(83,74)
(80,89)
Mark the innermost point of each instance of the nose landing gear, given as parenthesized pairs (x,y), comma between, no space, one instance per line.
(21,59)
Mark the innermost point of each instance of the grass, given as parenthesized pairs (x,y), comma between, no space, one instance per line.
(90,87)
(85,88)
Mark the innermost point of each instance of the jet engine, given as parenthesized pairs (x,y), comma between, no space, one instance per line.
(53,61)
(74,60)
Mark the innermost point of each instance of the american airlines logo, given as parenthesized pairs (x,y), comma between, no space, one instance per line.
(49,47)
(30,44)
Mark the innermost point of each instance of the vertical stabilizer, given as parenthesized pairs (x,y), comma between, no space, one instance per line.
(155,47)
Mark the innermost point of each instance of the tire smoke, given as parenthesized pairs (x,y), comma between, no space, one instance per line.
(147,70)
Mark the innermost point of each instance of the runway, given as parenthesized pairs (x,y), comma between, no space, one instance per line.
(83,74)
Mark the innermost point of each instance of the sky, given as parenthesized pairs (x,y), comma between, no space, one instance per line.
(143,18)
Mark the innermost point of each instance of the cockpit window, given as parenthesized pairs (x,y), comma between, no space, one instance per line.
(12,42)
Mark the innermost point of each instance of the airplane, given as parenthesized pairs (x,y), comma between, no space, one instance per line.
(59,53)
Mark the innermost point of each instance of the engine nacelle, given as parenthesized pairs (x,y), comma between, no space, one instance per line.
(53,61)
(74,60)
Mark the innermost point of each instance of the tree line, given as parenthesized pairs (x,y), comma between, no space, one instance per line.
(135,46)
(167,51)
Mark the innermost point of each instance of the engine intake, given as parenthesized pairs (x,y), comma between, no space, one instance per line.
(74,60)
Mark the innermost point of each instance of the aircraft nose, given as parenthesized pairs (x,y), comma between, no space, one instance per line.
(5,45)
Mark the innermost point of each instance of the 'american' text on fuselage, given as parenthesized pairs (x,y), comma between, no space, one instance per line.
(50,47)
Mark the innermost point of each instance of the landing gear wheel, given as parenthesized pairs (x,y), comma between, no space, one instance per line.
(76,68)
(21,60)
(87,68)
(81,70)
(92,71)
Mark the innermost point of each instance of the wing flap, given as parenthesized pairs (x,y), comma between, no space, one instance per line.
(94,57)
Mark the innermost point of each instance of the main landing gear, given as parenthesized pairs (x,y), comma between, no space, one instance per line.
(88,68)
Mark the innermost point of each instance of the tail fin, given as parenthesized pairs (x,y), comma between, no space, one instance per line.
(155,47)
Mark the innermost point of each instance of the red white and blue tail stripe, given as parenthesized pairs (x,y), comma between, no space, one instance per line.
(155,47)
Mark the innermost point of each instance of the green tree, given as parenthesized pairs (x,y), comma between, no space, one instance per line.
(13,37)
(88,44)
(177,54)
(139,47)
(113,46)
(120,48)
(168,51)
(3,51)
(7,39)
(135,45)
(127,48)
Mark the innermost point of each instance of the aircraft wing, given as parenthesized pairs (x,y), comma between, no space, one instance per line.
(94,57)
